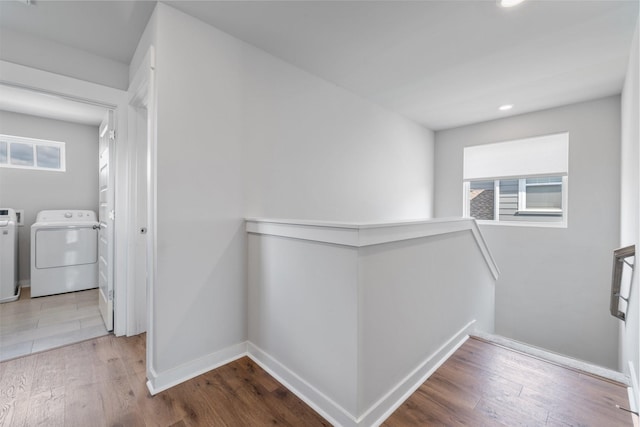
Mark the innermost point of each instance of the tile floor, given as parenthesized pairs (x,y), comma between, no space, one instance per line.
(33,325)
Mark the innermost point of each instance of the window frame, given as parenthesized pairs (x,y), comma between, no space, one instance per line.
(34,143)
(522,199)
(564,212)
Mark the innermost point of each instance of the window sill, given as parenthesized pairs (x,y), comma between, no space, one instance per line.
(559,224)
(541,212)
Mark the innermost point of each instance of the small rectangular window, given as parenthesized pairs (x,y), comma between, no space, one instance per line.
(21,154)
(542,194)
(48,157)
(30,153)
(517,200)
(518,182)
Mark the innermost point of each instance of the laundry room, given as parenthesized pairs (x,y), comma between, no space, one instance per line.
(60,173)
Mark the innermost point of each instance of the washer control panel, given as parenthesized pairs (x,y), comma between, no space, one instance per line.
(8,214)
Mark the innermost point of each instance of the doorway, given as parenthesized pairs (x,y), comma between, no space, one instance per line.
(68,311)
(63,314)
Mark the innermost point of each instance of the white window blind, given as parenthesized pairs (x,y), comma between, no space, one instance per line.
(539,156)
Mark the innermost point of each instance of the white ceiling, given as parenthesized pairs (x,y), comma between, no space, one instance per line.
(106,28)
(441,63)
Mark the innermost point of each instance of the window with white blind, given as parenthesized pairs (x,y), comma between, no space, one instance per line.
(30,153)
(518,182)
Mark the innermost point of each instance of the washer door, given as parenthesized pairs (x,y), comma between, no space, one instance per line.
(66,246)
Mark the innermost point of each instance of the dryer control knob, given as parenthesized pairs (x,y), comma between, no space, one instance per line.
(68,215)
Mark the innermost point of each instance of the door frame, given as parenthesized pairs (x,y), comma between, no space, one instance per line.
(142,97)
(110,98)
(106,222)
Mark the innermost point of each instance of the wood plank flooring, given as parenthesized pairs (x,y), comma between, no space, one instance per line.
(487,385)
(101,382)
(30,325)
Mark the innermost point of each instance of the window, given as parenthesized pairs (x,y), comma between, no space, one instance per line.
(482,196)
(540,195)
(518,182)
(538,199)
(29,153)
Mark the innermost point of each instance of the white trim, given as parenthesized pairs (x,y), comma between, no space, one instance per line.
(360,235)
(161,381)
(565,201)
(29,140)
(466,206)
(633,390)
(383,408)
(542,224)
(152,217)
(15,297)
(556,358)
(496,200)
(24,77)
(377,412)
(522,194)
(327,408)
(140,97)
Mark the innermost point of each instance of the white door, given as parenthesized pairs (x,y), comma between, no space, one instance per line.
(106,217)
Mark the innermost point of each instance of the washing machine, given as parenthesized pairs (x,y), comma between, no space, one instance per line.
(64,252)
(8,255)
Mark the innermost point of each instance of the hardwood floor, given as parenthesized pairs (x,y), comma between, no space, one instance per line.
(30,325)
(487,385)
(102,382)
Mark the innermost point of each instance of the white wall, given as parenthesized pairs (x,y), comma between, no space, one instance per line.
(415,297)
(303,312)
(630,209)
(200,290)
(43,54)
(317,152)
(226,112)
(35,190)
(353,319)
(553,291)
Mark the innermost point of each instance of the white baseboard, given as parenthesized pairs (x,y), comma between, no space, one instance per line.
(382,409)
(322,404)
(12,298)
(158,382)
(634,392)
(554,357)
(379,411)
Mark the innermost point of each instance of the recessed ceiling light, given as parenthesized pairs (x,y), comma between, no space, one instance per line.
(505,107)
(510,3)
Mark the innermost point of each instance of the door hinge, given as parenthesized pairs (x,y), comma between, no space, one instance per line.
(111,295)
(112,134)
(112,215)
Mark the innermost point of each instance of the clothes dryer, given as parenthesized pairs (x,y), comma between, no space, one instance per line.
(64,252)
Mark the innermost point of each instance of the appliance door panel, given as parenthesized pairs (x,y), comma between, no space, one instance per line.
(66,246)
